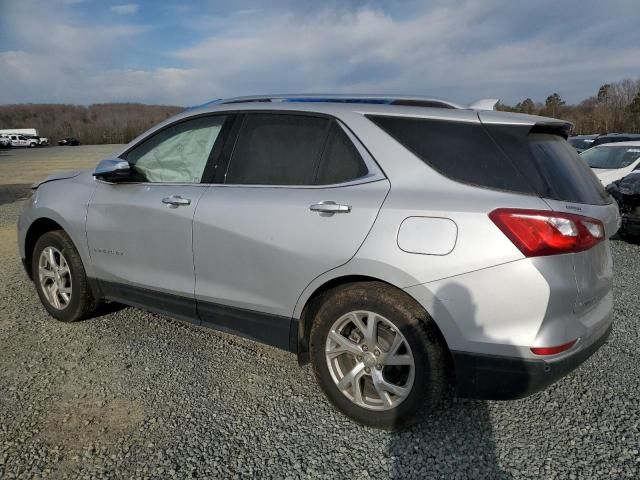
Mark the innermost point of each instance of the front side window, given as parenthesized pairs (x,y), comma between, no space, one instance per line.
(611,157)
(178,153)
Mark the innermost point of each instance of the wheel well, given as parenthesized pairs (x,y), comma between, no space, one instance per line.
(36,230)
(315,301)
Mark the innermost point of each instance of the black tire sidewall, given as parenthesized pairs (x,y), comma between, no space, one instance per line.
(427,356)
(59,240)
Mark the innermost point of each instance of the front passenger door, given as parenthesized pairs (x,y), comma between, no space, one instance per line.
(140,231)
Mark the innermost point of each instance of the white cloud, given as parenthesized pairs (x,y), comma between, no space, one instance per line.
(462,52)
(126,9)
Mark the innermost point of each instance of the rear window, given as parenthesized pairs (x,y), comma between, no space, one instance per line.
(504,157)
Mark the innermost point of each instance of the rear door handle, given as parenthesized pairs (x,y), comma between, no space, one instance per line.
(329,207)
(176,201)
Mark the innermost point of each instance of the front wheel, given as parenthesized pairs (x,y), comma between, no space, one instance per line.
(60,279)
(377,355)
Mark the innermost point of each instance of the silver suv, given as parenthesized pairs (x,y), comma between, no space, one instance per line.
(398,244)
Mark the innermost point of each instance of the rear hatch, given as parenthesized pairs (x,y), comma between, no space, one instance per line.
(559,176)
(521,154)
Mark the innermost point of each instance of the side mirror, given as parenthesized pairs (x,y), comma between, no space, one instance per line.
(112,170)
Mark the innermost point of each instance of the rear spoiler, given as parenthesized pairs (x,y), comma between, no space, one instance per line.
(484,104)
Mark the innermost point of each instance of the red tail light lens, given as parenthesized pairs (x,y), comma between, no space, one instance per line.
(544,232)
(553,350)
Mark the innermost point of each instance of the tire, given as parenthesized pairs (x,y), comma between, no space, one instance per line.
(393,309)
(81,302)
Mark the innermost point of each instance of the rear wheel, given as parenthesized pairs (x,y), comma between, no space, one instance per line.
(60,278)
(377,355)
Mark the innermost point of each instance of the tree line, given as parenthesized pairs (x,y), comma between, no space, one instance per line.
(93,124)
(615,107)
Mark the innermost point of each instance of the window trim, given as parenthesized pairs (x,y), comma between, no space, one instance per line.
(374,172)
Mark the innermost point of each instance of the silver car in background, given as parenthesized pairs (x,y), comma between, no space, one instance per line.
(399,244)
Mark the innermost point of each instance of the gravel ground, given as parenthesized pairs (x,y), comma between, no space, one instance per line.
(129,394)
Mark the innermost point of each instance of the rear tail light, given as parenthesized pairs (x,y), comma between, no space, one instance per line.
(544,232)
(553,350)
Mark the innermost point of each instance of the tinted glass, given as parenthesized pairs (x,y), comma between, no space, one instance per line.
(513,158)
(178,153)
(277,149)
(341,161)
(611,157)
(459,150)
(550,164)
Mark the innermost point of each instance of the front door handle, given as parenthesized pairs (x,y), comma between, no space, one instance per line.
(328,207)
(176,201)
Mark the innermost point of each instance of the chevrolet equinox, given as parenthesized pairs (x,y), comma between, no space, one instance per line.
(398,244)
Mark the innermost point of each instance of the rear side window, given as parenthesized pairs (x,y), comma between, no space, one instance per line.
(459,150)
(504,157)
(341,161)
(277,149)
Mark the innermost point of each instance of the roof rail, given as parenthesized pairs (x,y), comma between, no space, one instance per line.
(417,101)
(406,100)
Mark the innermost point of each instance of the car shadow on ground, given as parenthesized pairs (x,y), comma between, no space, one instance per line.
(457,438)
(107,308)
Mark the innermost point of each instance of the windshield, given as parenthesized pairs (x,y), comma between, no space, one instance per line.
(611,157)
(581,143)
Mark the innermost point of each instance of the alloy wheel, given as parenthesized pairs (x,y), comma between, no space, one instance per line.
(370,360)
(55,277)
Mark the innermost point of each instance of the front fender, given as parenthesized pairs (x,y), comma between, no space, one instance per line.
(64,202)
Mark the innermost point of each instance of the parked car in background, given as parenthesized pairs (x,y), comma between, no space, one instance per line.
(616,138)
(582,142)
(69,141)
(612,161)
(396,243)
(22,141)
(627,194)
(42,141)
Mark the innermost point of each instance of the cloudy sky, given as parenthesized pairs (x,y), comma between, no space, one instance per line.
(185,53)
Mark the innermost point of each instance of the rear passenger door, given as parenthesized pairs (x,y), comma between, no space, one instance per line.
(298,197)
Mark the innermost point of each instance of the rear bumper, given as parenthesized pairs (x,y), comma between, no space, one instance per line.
(491,377)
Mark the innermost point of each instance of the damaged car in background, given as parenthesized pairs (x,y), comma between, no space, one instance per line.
(627,193)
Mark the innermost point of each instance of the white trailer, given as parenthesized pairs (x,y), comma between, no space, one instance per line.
(32,132)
